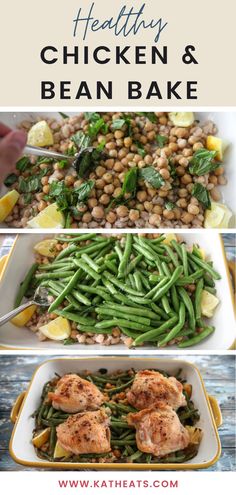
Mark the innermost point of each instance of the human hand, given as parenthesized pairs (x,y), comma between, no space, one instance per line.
(12,144)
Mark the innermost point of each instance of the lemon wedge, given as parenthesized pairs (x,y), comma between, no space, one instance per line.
(49,218)
(169,238)
(41,438)
(60,452)
(22,318)
(214,143)
(218,217)
(58,329)
(7,204)
(208,303)
(40,134)
(47,247)
(181,119)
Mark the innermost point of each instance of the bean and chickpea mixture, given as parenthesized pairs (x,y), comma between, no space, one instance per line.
(131,289)
(145,172)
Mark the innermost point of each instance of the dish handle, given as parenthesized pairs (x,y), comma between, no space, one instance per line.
(16,407)
(216,411)
(3,261)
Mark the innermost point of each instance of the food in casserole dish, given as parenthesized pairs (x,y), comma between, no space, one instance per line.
(125,416)
(146,170)
(131,288)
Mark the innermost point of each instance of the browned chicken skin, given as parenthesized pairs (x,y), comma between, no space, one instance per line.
(85,433)
(151,388)
(159,431)
(74,394)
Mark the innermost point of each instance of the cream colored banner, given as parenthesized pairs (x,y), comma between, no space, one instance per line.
(153,29)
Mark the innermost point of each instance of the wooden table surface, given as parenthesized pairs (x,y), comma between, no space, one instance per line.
(218,373)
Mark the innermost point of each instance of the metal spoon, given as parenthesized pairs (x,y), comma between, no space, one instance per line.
(40,299)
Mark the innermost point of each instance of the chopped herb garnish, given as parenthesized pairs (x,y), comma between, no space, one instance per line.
(42,159)
(27,198)
(161,140)
(81,140)
(62,164)
(119,123)
(152,176)
(140,149)
(68,199)
(129,187)
(149,115)
(203,162)
(32,183)
(201,194)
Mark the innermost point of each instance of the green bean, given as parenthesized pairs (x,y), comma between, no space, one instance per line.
(119,314)
(144,337)
(67,251)
(90,262)
(122,270)
(197,338)
(120,322)
(65,291)
(134,262)
(166,269)
(81,297)
(144,281)
(129,332)
(212,290)
(74,317)
(159,311)
(166,304)
(130,281)
(121,285)
(189,306)
(198,297)
(57,266)
(120,424)
(24,286)
(174,298)
(138,281)
(177,248)
(160,284)
(135,311)
(109,286)
(92,248)
(53,439)
(87,269)
(144,252)
(111,266)
(157,240)
(120,387)
(185,259)
(118,251)
(172,255)
(176,329)
(76,237)
(54,275)
(206,266)
(162,291)
(117,443)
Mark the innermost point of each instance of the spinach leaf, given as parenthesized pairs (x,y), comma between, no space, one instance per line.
(42,159)
(96,126)
(169,205)
(161,140)
(63,115)
(203,162)
(32,183)
(82,192)
(10,179)
(201,193)
(71,151)
(173,172)
(23,164)
(130,182)
(140,149)
(150,116)
(27,198)
(119,123)
(81,140)
(152,176)
(87,160)
(92,116)
(62,164)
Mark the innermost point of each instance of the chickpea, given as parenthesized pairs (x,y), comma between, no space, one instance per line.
(215,194)
(155,220)
(122,211)
(128,142)
(118,167)
(42,205)
(187,218)
(148,205)
(98,212)
(165,173)
(169,214)
(117,192)
(100,183)
(78,183)
(162,162)
(46,189)
(87,217)
(219,171)
(109,189)
(69,180)
(141,196)
(44,181)
(119,134)
(111,217)
(134,215)
(104,199)
(108,178)
(186,179)
(92,202)
(182,203)
(193,209)
(100,171)
(157,209)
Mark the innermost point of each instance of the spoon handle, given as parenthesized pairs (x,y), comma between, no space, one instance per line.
(4,319)
(33,150)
